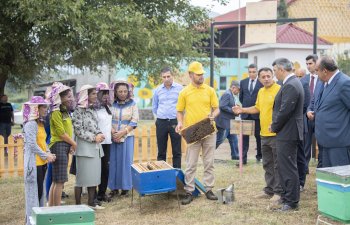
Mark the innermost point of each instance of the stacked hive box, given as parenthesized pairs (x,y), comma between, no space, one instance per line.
(333,192)
(63,215)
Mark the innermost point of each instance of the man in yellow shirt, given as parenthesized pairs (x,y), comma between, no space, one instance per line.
(196,102)
(264,106)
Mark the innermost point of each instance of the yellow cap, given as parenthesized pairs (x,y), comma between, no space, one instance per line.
(196,67)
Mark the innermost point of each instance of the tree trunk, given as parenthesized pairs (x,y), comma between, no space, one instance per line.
(3,79)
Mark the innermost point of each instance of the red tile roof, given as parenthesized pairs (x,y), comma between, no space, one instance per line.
(290,33)
(233,16)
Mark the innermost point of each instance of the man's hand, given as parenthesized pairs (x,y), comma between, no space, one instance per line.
(310,115)
(211,117)
(178,128)
(237,109)
(270,129)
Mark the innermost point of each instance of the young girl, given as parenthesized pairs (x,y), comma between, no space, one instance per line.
(36,153)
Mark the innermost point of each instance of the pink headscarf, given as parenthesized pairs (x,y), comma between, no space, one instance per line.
(103,87)
(31,108)
(83,96)
(54,95)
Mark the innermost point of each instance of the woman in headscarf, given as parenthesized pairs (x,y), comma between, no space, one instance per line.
(36,153)
(89,150)
(61,143)
(104,119)
(124,120)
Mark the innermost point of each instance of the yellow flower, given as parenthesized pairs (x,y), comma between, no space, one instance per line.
(145,93)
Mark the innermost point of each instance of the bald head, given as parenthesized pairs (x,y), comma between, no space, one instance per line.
(326,66)
(300,73)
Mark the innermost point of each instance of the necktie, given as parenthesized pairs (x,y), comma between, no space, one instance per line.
(312,84)
(251,87)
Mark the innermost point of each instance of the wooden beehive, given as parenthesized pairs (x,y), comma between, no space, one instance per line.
(198,131)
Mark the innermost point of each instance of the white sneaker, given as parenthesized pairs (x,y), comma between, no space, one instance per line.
(96,207)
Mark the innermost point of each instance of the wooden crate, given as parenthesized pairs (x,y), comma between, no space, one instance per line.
(248,127)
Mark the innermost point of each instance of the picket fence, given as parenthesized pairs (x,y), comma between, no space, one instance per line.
(145,149)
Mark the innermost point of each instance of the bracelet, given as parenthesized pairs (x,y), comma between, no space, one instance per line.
(127,131)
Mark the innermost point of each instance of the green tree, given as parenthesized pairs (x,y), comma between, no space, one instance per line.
(343,61)
(37,36)
(282,11)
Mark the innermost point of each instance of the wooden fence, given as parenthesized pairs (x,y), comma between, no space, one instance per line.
(145,149)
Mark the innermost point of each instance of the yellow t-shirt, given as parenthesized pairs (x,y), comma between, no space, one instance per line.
(197,103)
(264,103)
(41,141)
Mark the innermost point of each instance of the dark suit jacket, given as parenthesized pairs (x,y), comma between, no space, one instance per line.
(287,116)
(226,103)
(307,98)
(318,89)
(332,114)
(248,99)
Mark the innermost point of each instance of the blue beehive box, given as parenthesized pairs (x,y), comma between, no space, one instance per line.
(154,181)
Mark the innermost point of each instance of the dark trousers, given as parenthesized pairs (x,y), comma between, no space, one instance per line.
(269,161)
(5,131)
(335,156)
(104,170)
(258,142)
(221,135)
(165,127)
(301,163)
(320,155)
(40,173)
(308,136)
(288,171)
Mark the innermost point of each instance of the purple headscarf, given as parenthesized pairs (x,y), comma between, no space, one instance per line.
(31,108)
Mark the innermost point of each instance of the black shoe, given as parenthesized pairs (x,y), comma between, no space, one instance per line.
(64,195)
(244,163)
(187,199)
(235,158)
(210,195)
(124,192)
(113,194)
(97,202)
(258,160)
(287,208)
(103,198)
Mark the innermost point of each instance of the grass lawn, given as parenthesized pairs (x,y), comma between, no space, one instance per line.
(159,209)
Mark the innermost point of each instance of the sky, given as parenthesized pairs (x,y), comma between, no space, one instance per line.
(221,9)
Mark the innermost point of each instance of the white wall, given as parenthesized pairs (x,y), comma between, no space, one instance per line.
(267,56)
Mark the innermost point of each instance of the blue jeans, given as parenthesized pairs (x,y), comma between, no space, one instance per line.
(221,135)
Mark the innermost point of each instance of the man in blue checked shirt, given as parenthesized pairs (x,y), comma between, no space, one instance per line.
(164,107)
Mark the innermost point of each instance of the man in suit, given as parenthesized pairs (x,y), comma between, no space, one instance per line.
(311,80)
(287,122)
(264,106)
(227,101)
(311,116)
(249,89)
(332,114)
